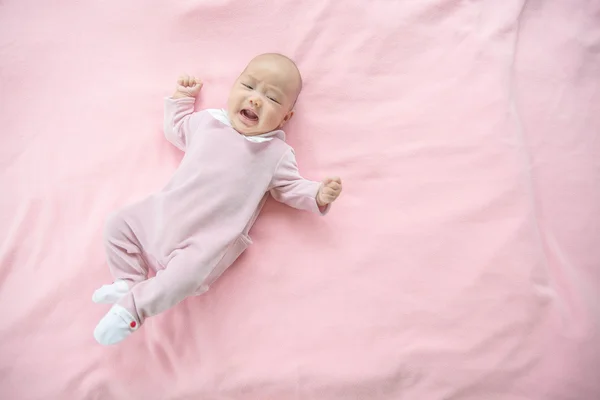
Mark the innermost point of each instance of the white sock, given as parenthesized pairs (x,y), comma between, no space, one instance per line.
(110,294)
(115,326)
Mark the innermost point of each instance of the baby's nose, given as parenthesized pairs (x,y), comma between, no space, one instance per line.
(256,102)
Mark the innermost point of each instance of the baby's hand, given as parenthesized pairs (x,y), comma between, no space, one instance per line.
(187,86)
(329,191)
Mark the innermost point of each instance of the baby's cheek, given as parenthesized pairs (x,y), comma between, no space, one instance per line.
(272,121)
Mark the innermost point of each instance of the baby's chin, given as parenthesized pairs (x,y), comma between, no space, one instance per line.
(247,130)
(244,129)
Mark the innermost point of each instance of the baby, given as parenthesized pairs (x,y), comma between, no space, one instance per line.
(197,226)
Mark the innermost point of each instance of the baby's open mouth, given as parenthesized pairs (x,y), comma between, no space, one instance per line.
(251,115)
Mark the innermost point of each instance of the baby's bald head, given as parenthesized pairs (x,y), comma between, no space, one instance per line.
(263,97)
(283,66)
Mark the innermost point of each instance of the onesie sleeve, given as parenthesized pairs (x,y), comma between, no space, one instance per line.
(288,187)
(180,120)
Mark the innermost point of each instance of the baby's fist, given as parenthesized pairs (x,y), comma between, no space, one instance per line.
(187,86)
(329,191)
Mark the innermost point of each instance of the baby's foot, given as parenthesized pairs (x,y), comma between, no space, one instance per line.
(115,326)
(110,294)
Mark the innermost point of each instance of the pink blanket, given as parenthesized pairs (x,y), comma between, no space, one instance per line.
(461,262)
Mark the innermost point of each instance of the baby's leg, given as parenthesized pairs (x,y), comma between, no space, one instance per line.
(182,277)
(125,261)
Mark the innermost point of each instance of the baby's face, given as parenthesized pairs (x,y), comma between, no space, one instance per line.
(262,98)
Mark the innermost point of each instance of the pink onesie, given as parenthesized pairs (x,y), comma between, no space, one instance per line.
(197,226)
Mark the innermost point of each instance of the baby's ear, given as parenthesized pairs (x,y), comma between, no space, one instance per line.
(287,117)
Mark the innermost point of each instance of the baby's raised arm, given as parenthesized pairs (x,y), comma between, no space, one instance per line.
(180,119)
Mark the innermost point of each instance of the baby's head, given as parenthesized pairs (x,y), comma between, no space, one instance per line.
(263,97)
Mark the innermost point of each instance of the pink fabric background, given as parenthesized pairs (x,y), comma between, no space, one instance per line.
(461,261)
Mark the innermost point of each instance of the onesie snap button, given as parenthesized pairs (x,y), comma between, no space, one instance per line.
(132,324)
